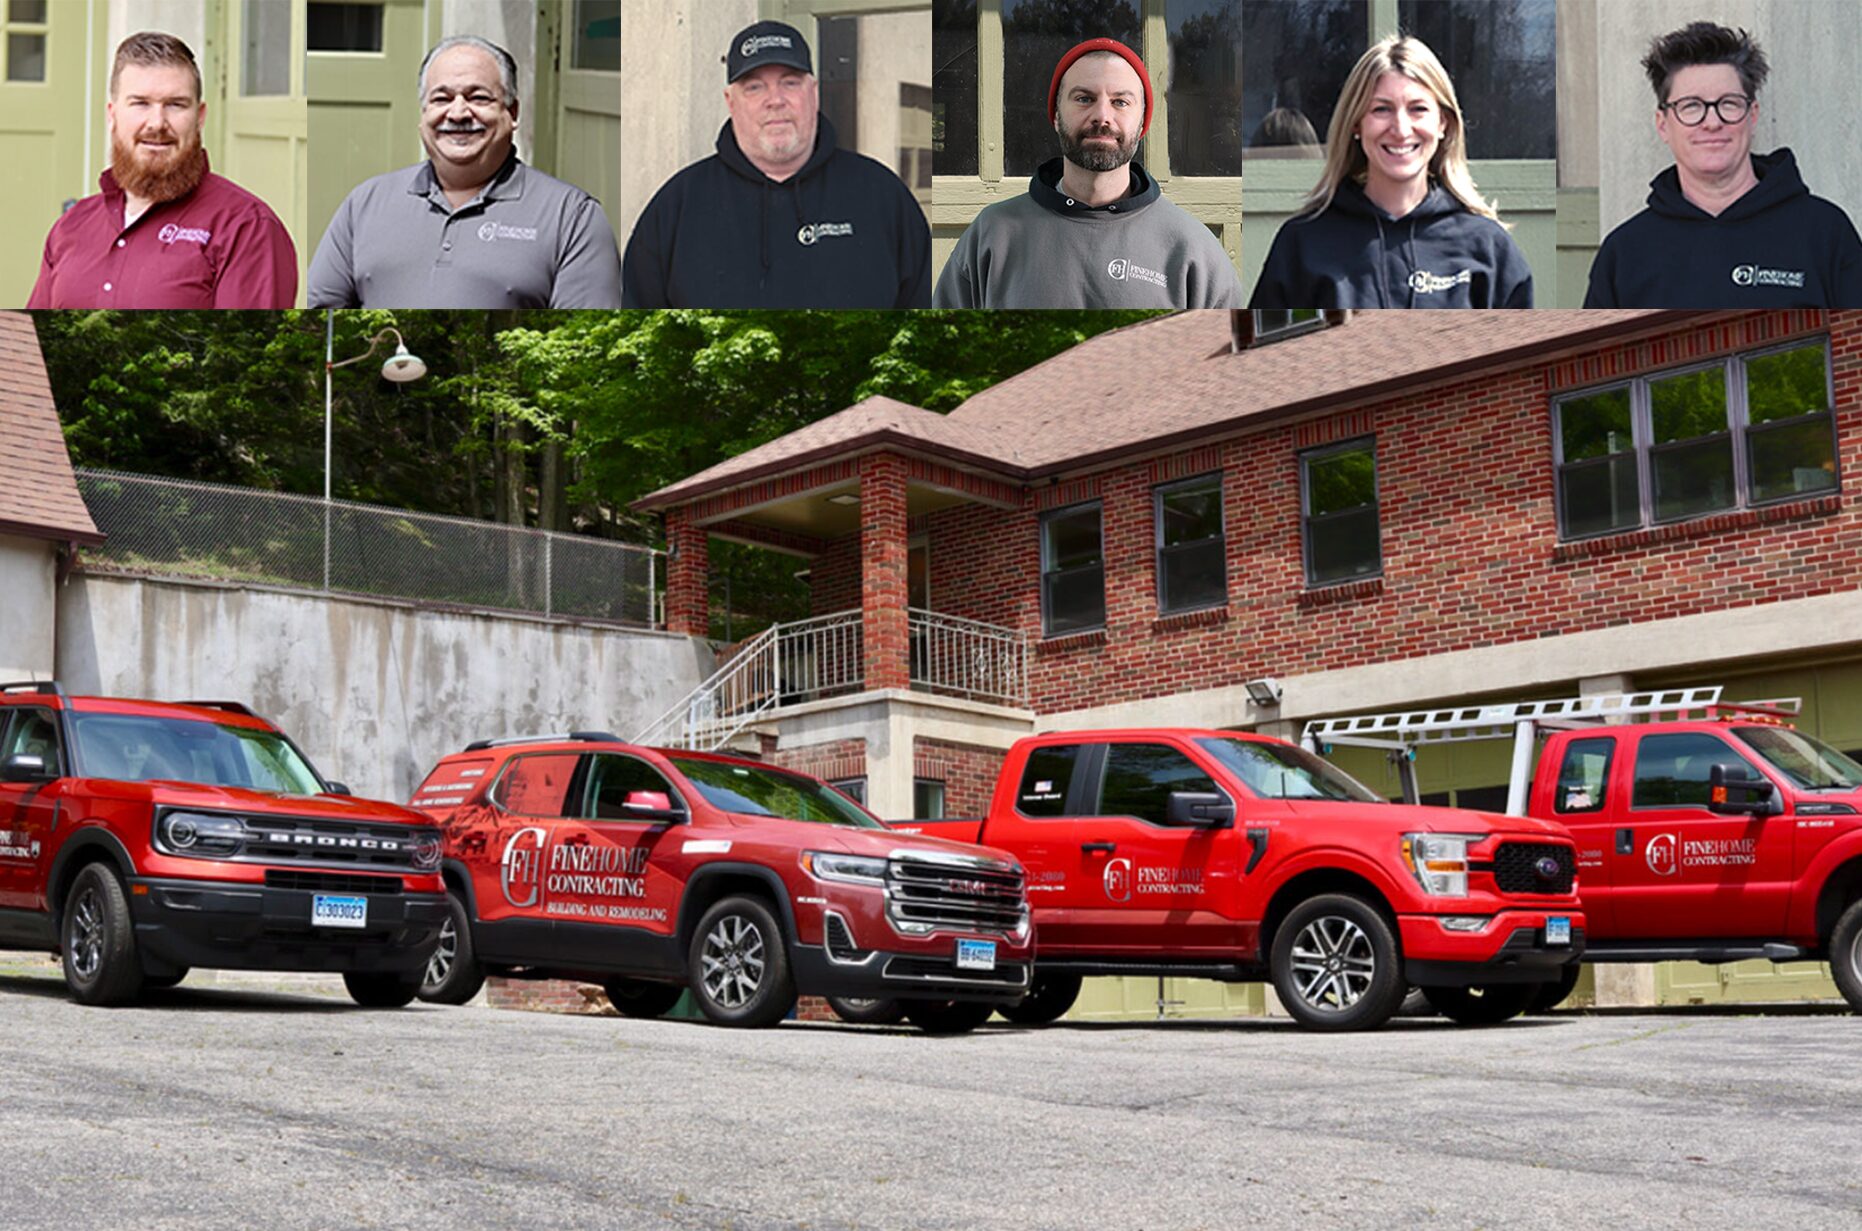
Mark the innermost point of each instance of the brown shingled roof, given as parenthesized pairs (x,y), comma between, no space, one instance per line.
(38,494)
(1171,379)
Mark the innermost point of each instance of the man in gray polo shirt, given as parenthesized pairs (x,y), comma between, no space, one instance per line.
(472,227)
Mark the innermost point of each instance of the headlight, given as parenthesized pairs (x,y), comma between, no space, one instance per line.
(426,852)
(202,833)
(853,869)
(1440,861)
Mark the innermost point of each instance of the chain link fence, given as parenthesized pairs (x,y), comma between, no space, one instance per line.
(178,528)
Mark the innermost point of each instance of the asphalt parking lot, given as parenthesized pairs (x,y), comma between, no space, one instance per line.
(246,1106)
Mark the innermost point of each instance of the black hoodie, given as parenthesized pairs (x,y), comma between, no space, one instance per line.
(1775,247)
(1354,255)
(842,232)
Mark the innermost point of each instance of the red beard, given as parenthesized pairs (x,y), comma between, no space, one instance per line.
(172,176)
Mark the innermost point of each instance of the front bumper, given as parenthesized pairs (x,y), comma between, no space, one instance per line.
(924,974)
(187,923)
(1511,949)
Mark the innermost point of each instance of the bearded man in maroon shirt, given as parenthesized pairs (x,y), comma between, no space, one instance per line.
(165,232)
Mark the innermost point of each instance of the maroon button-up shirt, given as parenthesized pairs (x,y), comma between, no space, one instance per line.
(217,247)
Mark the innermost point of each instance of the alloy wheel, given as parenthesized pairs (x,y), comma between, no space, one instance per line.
(1333,963)
(444,955)
(86,939)
(733,961)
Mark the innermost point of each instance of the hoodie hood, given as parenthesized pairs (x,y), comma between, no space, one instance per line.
(1045,188)
(1779,184)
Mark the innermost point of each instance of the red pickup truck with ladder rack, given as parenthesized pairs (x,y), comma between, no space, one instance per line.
(1706,831)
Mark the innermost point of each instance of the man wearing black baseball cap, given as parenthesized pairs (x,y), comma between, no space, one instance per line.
(780,216)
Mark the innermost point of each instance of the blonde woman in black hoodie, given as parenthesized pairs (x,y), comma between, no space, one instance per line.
(1395,220)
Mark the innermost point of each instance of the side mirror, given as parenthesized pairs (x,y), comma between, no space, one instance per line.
(651,806)
(1733,791)
(338,788)
(25,767)
(1200,810)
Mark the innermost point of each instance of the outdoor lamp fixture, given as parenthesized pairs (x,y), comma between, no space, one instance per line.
(401,368)
(1264,691)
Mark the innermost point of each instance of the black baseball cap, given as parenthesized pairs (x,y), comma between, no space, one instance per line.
(767,42)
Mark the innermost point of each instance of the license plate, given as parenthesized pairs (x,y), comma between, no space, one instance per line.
(328,910)
(1558,930)
(976,955)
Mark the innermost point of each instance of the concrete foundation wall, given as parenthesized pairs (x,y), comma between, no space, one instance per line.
(374,693)
(28,590)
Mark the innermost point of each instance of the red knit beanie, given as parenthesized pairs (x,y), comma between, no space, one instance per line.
(1100,44)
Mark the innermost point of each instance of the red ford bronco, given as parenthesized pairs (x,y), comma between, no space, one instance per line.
(1231,856)
(140,838)
(653,871)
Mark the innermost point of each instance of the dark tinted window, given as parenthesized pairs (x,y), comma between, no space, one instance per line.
(1295,58)
(1140,777)
(1035,34)
(1191,570)
(1691,461)
(1499,54)
(1343,539)
(1790,436)
(1073,575)
(334,26)
(1598,486)
(1046,779)
(613,778)
(1205,86)
(1672,770)
(32,733)
(537,785)
(1583,776)
(953,87)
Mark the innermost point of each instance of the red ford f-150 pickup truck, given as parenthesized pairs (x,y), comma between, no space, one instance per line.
(652,871)
(140,838)
(1706,831)
(1243,858)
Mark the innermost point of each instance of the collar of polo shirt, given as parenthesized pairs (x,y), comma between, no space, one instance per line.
(506,185)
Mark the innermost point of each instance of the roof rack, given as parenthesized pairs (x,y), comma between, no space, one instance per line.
(1522,721)
(558,737)
(231,707)
(50,688)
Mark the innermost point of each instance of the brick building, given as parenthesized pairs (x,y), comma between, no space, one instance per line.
(1253,520)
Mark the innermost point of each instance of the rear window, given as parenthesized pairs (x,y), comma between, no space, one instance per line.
(451,782)
(536,785)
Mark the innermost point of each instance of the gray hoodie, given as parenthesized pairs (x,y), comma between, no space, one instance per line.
(1046,250)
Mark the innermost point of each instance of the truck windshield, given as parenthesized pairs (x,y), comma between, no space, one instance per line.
(1810,764)
(138,748)
(759,791)
(1283,771)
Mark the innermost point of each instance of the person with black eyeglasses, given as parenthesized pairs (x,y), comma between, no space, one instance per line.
(1724,227)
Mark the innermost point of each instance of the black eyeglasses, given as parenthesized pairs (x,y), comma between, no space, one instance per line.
(1693,111)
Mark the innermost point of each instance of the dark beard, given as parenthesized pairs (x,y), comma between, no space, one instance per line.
(1095,158)
(178,176)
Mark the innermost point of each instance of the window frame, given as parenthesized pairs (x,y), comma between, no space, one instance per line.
(943,797)
(1602,802)
(1204,481)
(1293,328)
(1739,432)
(1096,803)
(1047,517)
(1306,458)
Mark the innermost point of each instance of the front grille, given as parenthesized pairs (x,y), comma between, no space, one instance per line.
(1516,868)
(330,882)
(963,895)
(322,843)
(944,970)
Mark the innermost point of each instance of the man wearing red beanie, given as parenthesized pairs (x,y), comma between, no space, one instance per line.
(1093,231)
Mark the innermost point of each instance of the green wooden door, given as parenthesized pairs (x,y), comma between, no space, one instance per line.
(51,124)
(578,118)
(363,65)
(257,124)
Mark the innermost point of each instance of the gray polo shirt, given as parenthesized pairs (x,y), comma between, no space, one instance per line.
(526,241)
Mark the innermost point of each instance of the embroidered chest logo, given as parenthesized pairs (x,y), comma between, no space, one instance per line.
(1121,270)
(491,232)
(1752,275)
(172,234)
(1425,283)
(822,230)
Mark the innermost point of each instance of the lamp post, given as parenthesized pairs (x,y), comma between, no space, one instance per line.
(400,368)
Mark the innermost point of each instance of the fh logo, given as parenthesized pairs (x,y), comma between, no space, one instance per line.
(1661,854)
(192,235)
(1118,880)
(1117,269)
(758,42)
(1752,275)
(520,871)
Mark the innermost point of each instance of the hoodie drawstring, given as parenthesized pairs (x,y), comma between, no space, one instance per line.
(1409,252)
(1383,265)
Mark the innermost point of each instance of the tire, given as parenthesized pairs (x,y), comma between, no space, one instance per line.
(156,983)
(1555,993)
(864,1012)
(1048,998)
(453,975)
(1846,954)
(639,998)
(1484,1005)
(947,1017)
(375,990)
(99,940)
(1362,989)
(738,965)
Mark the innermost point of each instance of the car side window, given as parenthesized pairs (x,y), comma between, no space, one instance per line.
(1139,778)
(34,733)
(537,785)
(1584,776)
(1046,780)
(1672,770)
(613,779)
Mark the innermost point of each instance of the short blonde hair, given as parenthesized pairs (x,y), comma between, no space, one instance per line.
(1345,158)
